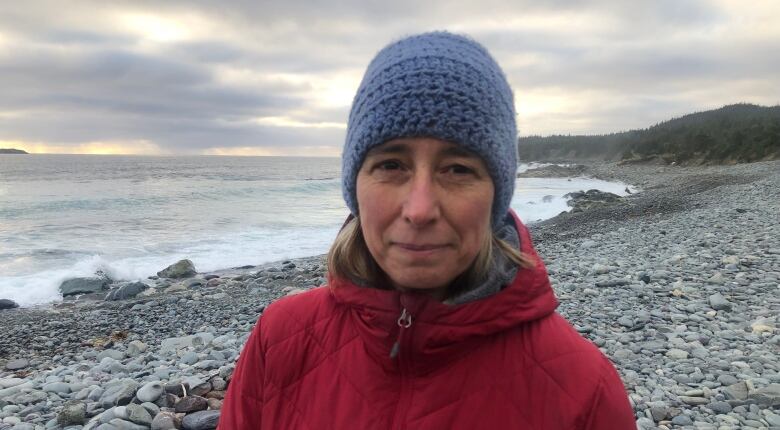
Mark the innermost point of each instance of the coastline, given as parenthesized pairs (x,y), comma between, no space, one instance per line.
(677,284)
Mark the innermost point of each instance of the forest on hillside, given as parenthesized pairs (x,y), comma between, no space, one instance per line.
(732,134)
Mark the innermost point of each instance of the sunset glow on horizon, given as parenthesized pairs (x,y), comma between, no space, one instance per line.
(278,79)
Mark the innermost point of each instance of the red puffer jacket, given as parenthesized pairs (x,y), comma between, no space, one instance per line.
(322,360)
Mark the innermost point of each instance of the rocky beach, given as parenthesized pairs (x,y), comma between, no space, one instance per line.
(678,284)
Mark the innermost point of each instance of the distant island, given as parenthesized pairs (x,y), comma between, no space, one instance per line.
(736,133)
(12,151)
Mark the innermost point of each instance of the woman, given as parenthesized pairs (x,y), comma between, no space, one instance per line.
(438,313)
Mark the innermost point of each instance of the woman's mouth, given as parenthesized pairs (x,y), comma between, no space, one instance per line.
(419,247)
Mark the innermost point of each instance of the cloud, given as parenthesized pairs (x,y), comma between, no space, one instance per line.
(278,77)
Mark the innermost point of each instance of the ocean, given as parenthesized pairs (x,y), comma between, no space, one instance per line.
(64,216)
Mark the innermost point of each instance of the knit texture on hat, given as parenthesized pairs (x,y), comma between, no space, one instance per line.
(439,85)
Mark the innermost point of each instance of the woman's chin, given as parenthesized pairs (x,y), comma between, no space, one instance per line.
(421,283)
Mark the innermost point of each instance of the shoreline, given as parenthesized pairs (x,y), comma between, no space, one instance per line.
(677,284)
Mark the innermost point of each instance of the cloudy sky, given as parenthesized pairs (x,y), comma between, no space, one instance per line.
(277,78)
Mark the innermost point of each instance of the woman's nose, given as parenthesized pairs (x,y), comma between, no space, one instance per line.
(421,206)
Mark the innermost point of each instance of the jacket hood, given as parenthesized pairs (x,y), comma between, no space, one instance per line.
(438,331)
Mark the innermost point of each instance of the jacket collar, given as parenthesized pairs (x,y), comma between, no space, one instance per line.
(440,333)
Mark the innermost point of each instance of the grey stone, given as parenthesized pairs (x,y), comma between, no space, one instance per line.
(772,419)
(659,412)
(135,348)
(768,396)
(57,387)
(119,394)
(17,364)
(189,404)
(121,424)
(150,392)
(75,286)
(677,354)
(738,391)
(116,355)
(180,269)
(727,379)
(202,420)
(189,358)
(720,407)
(138,414)
(119,412)
(694,400)
(151,408)
(165,421)
(8,304)
(72,413)
(682,420)
(126,291)
(719,303)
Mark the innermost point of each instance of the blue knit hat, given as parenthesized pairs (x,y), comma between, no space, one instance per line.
(439,85)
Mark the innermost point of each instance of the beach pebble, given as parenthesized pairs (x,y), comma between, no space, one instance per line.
(17,364)
(203,420)
(150,392)
(189,404)
(72,413)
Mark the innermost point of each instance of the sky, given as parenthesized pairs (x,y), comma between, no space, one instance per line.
(277,78)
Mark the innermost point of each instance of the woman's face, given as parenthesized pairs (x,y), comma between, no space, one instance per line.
(424,210)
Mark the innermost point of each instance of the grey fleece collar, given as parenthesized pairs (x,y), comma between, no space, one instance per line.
(502,270)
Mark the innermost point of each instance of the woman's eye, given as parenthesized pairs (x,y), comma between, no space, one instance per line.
(459,169)
(389,165)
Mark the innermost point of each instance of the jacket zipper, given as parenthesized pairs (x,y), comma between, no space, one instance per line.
(396,352)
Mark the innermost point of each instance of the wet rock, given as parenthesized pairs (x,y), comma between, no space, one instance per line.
(75,286)
(8,304)
(126,291)
(180,269)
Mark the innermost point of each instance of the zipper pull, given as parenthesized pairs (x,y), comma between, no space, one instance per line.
(404,321)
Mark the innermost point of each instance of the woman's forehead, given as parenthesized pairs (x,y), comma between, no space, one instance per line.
(408,146)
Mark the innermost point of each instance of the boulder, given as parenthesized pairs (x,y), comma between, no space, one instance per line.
(8,304)
(181,269)
(585,200)
(75,286)
(126,291)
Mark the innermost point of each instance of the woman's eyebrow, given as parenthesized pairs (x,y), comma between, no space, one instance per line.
(457,151)
(396,148)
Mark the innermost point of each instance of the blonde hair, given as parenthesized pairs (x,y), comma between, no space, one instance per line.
(350,259)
